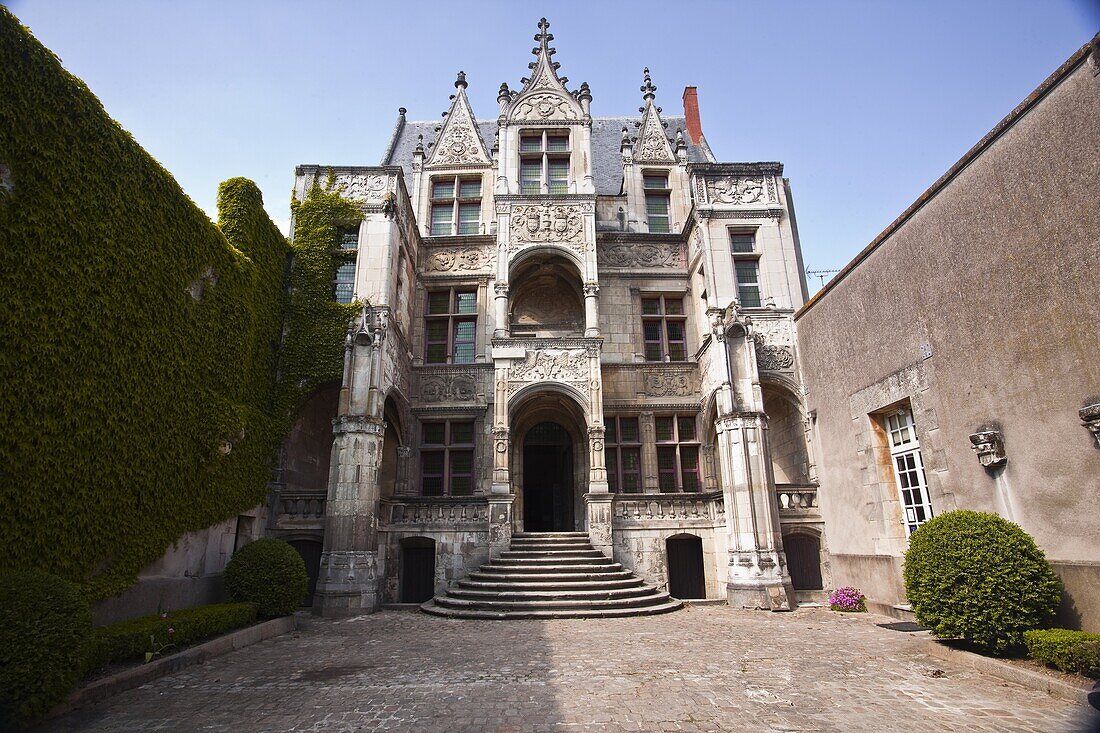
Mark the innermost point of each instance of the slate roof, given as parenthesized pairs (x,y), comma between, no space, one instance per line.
(607,166)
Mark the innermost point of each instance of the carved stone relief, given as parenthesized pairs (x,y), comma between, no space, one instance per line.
(555,365)
(458,143)
(547,223)
(448,387)
(642,255)
(774,345)
(653,145)
(458,259)
(741,189)
(670,383)
(359,187)
(545,106)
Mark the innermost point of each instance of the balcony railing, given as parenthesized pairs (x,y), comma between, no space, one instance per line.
(438,512)
(300,505)
(702,509)
(797,500)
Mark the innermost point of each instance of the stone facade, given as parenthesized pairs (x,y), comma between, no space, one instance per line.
(609,307)
(974,318)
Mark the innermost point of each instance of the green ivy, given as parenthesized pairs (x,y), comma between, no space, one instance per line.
(144,390)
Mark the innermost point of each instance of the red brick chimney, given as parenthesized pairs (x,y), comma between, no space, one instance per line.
(691,112)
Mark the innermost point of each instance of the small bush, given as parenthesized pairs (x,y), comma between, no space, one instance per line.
(269,573)
(978,577)
(128,641)
(45,633)
(1069,651)
(847,599)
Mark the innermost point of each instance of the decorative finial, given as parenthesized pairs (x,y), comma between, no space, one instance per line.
(504,94)
(649,92)
(420,143)
(460,82)
(584,92)
(401,111)
(544,37)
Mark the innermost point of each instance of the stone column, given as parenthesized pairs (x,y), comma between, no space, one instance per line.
(647,424)
(500,310)
(402,486)
(758,575)
(591,310)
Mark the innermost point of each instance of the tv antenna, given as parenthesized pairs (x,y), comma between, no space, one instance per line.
(820,275)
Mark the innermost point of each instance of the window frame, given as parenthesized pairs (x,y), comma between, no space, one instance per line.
(743,257)
(900,428)
(663,318)
(452,318)
(544,157)
(614,446)
(345,252)
(457,202)
(663,193)
(676,446)
(448,449)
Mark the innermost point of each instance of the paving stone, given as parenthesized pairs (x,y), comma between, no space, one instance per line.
(705,668)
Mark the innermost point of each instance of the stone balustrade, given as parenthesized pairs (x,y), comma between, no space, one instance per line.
(797,499)
(662,509)
(301,505)
(440,512)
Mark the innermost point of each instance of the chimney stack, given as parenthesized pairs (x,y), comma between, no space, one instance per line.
(691,113)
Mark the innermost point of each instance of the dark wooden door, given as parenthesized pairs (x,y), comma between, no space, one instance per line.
(547,479)
(803,561)
(311,556)
(685,567)
(417,572)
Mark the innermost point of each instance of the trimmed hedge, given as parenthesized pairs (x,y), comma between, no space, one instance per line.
(975,576)
(128,641)
(1070,651)
(45,635)
(269,573)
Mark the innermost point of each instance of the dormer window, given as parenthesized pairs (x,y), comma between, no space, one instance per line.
(657,201)
(543,162)
(456,206)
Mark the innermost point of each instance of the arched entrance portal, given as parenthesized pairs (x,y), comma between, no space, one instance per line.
(548,479)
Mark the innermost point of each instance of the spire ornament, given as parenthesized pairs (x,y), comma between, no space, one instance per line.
(460,82)
(649,92)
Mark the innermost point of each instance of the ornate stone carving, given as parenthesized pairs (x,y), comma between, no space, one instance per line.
(642,254)
(668,383)
(559,365)
(544,106)
(458,259)
(990,447)
(774,345)
(563,223)
(449,386)
(359,187)
(1090,418)
(653,145)
(459,142)
(740,190)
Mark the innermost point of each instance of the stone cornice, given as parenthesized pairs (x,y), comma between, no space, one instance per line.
(762,168)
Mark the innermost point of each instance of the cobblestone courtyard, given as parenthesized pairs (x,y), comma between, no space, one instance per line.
(701,669)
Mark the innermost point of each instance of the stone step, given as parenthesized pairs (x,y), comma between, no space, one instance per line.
(431,608)
(548,577)
(556,604)
(550,536)
(540,583)
(550,558)
(514,566)
(545,546)
(511,593)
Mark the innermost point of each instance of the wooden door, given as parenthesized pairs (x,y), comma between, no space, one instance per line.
(685,567)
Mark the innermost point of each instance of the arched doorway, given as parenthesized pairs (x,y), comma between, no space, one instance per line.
(803,560)
(547,479)
(417,569)
(685,566)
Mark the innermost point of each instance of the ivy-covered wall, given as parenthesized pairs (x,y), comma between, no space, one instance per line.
(138,341)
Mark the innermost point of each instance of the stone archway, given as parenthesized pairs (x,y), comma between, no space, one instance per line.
(549,428)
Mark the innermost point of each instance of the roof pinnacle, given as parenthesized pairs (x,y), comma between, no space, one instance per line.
(460,82)
(649,91)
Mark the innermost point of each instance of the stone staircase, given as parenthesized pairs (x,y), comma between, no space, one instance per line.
(550,575)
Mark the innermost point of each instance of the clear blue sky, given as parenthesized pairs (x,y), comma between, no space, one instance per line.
(866,103)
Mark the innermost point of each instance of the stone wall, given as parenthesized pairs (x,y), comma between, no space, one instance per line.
(977,309)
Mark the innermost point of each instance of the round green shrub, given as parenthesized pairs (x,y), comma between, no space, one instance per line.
(45,639)
(975,576)
(269,573)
